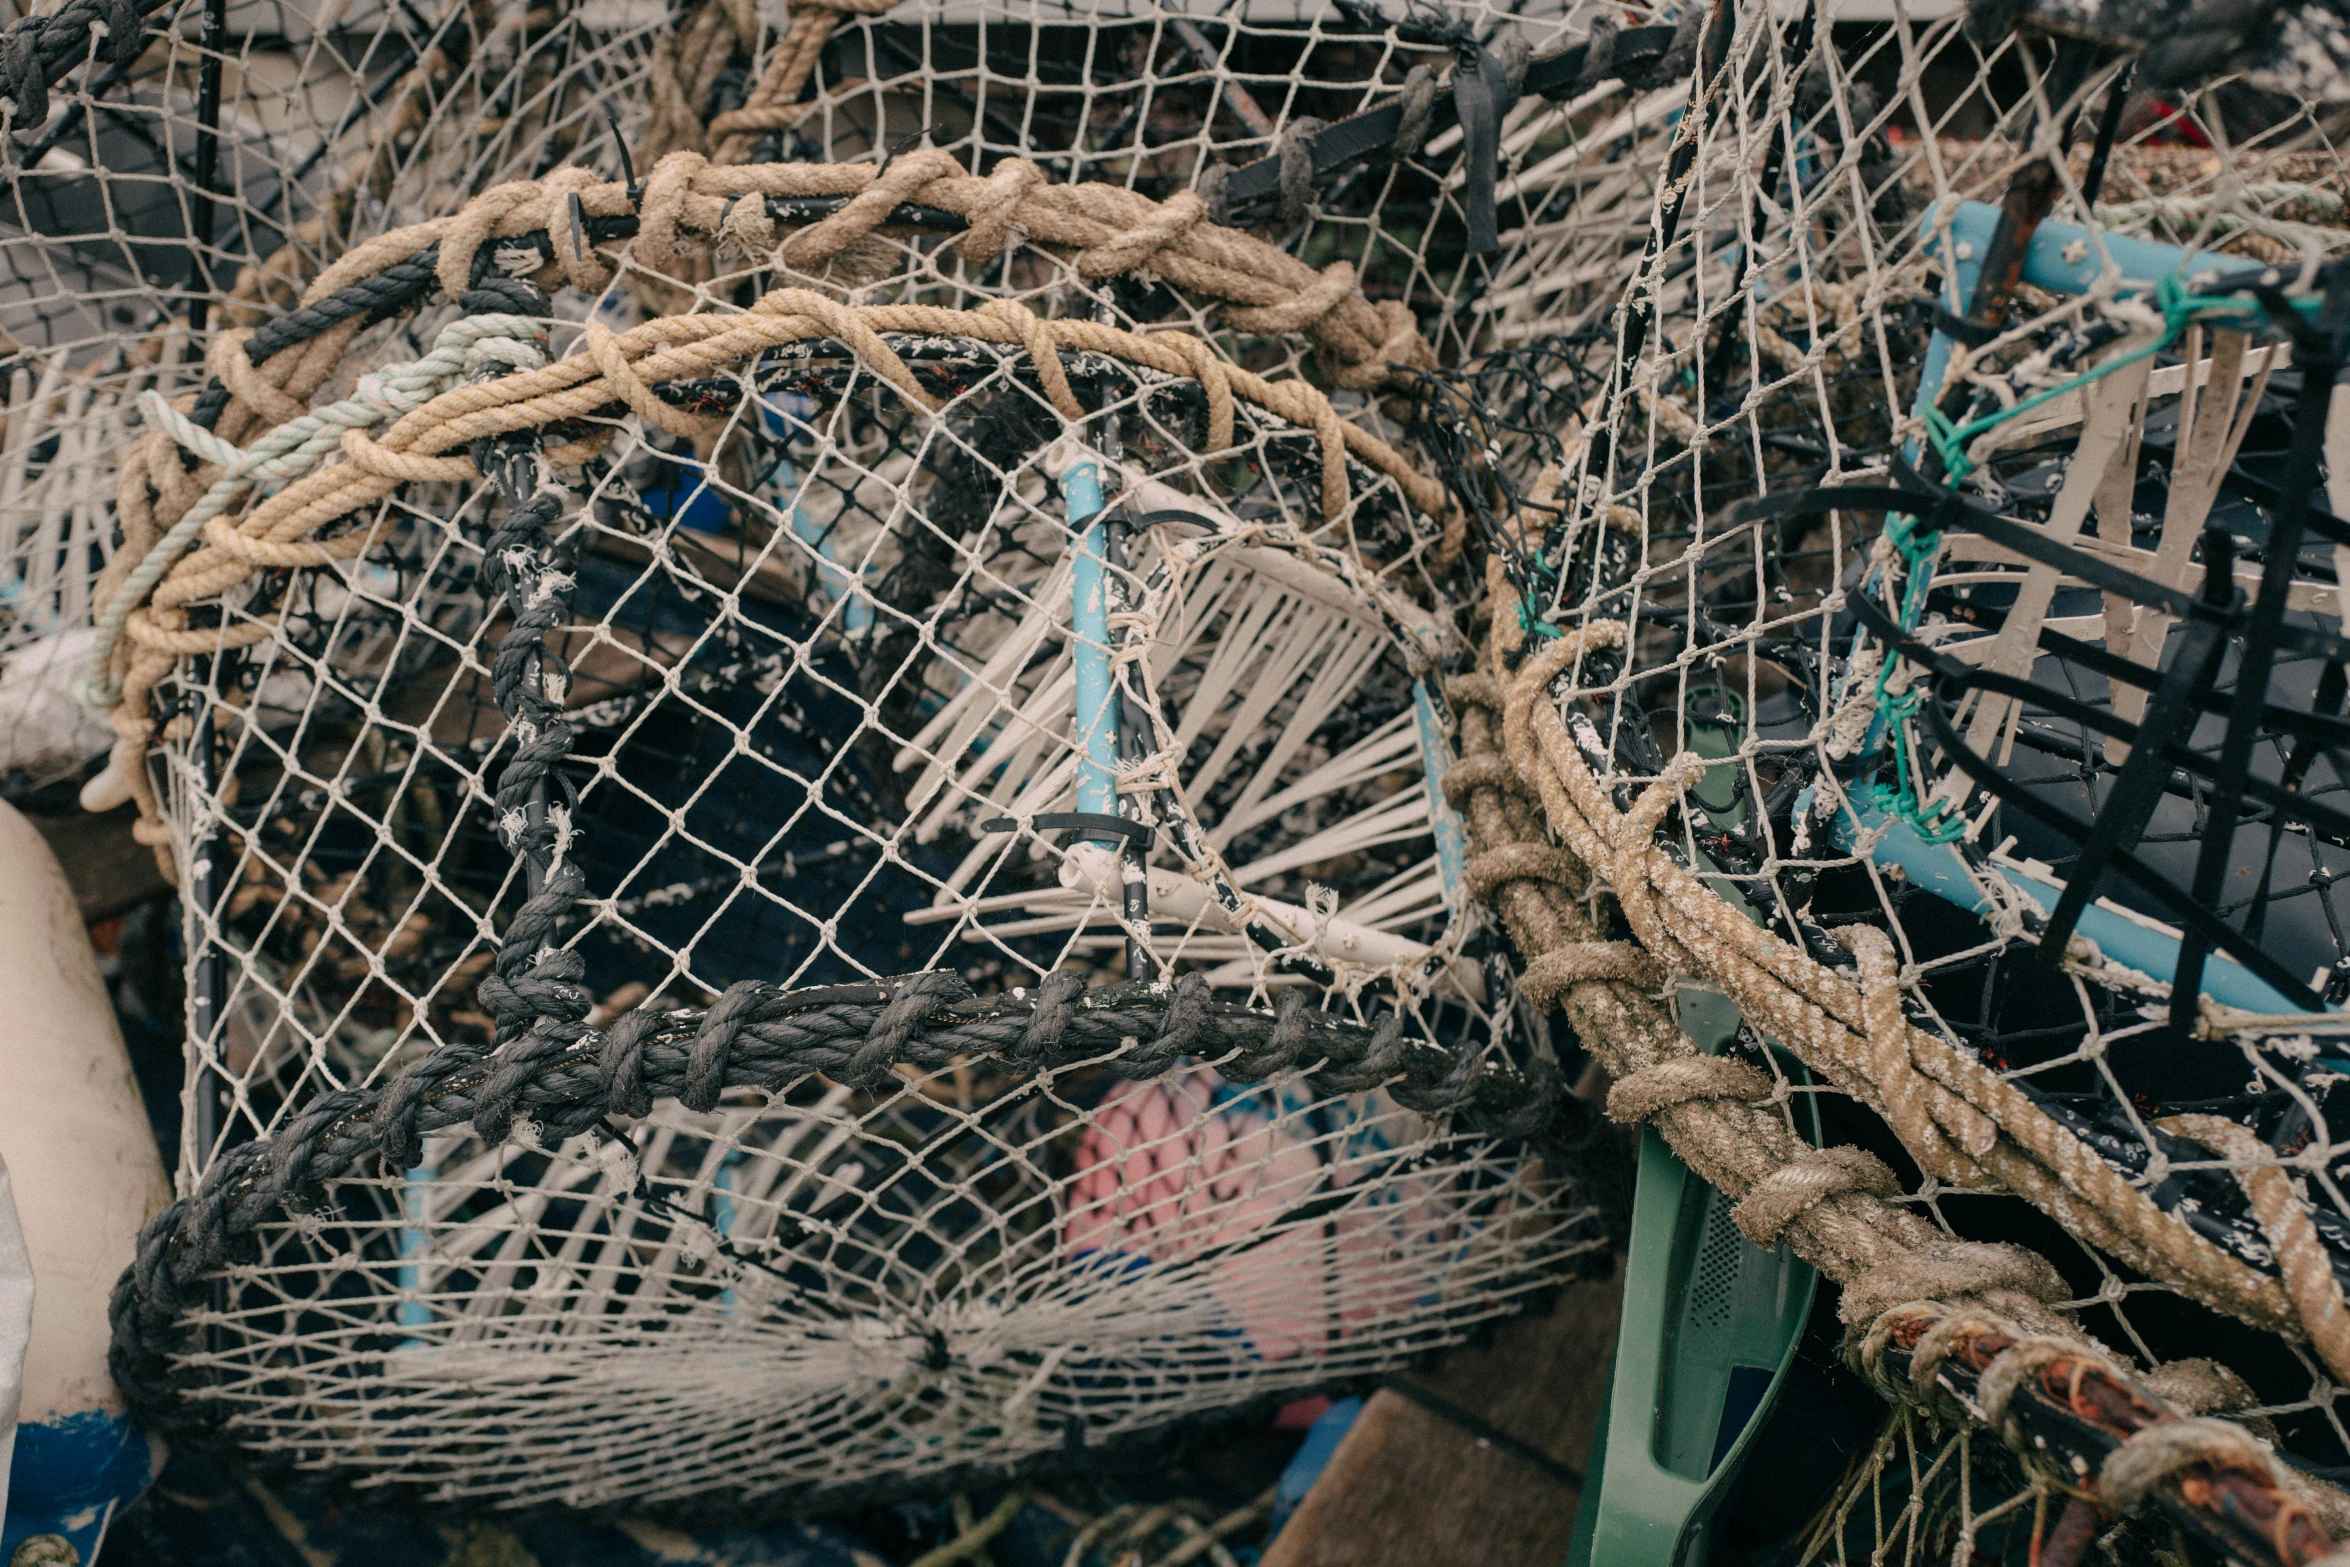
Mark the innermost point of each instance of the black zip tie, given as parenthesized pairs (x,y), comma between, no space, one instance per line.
(636,189)
(889,154)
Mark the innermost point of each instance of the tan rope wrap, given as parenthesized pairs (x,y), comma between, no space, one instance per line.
(1720,1116)
(1824,1019)
(2302,1259)
(773,102)
(685,200)
(1109,229)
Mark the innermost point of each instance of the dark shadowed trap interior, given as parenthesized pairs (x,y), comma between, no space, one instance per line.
(1109,785)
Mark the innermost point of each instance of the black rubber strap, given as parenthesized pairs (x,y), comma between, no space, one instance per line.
(1480,96)
(1942,509)
(2200,926)
(1960,330)
(2139,788)
(1091,823)
(1350,141)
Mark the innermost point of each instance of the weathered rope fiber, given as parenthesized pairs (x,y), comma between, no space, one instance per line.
(610,371)
(1960,1120)
(764,1037)
(1932,1319)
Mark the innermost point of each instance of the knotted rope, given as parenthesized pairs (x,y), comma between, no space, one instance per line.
(565,1081)
(1960,1120)
(1974,1322)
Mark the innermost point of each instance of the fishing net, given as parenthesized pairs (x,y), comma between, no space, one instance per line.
(190,173)
(806,789)
(1919,612)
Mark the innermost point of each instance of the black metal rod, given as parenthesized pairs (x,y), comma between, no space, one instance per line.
(2317,354)
(206,984)
(201,207)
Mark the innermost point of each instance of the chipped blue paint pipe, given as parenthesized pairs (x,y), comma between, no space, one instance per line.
(2062,259)
(414,1242)
(72,1475)
(82,1176)
(1089,591)
(2130,939)
(1452,837)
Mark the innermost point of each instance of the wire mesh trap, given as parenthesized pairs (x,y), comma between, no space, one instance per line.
(1917,613)
(566,724)
(190,173)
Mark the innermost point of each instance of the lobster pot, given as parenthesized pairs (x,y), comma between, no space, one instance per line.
(1980,625)
(145,207)
(881,640)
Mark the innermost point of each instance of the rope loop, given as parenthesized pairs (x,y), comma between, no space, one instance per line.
(1811,1178)
(2133,1471)
(708,1057)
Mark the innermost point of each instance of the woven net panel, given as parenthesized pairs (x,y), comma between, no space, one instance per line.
(199,183)
(1784,678)
(574,751)
(1161,101)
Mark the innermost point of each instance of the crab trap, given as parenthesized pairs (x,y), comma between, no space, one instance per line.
(1915,616)
(808,803)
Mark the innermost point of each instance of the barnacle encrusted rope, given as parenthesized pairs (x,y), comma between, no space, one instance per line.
(761,1036)
(1959,1326)
(262,379)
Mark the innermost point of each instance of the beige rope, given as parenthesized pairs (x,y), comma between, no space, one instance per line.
(1822,1018)
(1719,1115)
(608,370)
(2302,1259)
(773,102)
(1832,1207)
(686,199)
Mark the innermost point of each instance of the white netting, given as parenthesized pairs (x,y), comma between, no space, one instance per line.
(921,553)
(148,206)
(1775,799)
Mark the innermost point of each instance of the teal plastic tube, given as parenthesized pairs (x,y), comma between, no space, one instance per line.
(1097,699)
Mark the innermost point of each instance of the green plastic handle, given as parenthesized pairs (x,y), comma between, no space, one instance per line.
(1710,1326)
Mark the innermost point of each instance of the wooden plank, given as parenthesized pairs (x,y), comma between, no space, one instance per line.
(1422,1480)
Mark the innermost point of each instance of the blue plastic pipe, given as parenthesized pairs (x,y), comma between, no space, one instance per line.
(2144,945)
(1097,699)
(1452,838)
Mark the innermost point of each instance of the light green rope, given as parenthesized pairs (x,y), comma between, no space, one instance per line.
(294,448)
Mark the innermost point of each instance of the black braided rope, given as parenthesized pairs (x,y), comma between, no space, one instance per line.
(39,50)
(764,1037)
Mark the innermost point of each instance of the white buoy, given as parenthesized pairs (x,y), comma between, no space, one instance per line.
(85,1172)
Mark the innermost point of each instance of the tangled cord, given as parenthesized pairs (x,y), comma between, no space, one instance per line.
(1962,1327)
(760,1036)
